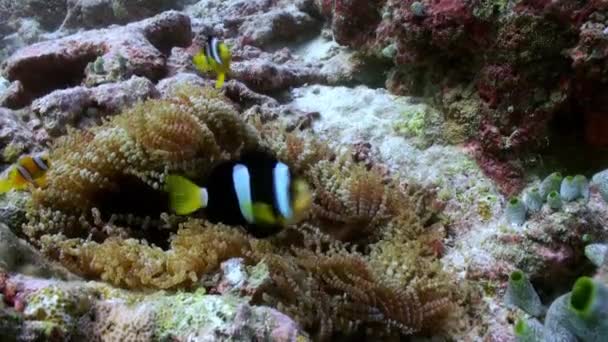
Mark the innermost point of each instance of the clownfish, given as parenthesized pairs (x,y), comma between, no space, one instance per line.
(215,57)
(27,170)
(256,191)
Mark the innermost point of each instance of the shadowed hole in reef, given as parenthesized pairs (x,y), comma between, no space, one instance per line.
(371,72)
(136,198)
(569,150)
(43,75)
(168,38)
(561,282)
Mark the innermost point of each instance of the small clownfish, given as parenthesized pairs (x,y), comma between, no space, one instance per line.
(215,57)
(256,191)
(27,170)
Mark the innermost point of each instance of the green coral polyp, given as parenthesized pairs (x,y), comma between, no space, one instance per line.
(533,200)
(521,293)
(521,327)
(550,184)
(517,276)
(515,212)
(581,315)
(569,189)
(554,200)
(528,330)
(583,296)
(596,253)
(600,181)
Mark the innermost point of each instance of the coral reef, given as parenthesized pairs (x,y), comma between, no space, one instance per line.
(82,106)
(50,65)
(521,68)
(93,14)
(427,195)
(86,218)
(60,310)
(260,23)
(577,315)
(17,136)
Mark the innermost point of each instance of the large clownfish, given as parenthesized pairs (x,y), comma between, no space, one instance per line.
(27,170)
(215,57)
(256,191)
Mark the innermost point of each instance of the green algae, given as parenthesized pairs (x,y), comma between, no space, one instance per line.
(12,152)
(57,306)
(484,210)
(258,275)
(10,324)
(412,122)
(488,9)
(390,51)
(421,123)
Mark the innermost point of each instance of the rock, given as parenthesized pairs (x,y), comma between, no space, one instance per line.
(15,96)
(4,84)
(16,255)
(100,13)
(61,108)
(338,63)
(180,61)
(552,246)
(112,98)
(16,137)
(258,23)
(287,24)
(353,22)
(240,279)
(81,106)
(494,42)
(278,71)
(168,86)
(20,32)
(88,310)
(49,13)
(56,64)
(245,97)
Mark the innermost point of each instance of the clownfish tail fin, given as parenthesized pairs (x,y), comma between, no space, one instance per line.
(185,197)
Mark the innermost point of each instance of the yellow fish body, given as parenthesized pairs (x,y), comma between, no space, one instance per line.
(27,170)
(216,57)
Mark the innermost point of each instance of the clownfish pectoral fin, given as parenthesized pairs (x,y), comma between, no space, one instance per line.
(221,76)
(200,61)
(225,54)
(302,200)
(185,197)
(5,185)
(263,214)
(41,181)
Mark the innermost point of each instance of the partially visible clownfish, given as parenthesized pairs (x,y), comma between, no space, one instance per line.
(27,170)
(256,191)
(215,57)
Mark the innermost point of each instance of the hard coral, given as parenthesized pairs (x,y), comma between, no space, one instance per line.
(526,65)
